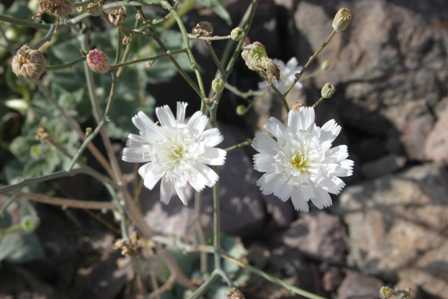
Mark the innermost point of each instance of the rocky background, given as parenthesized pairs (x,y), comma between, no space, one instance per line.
(390,224)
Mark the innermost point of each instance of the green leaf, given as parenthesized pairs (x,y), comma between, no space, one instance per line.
(20,247)
(217,8)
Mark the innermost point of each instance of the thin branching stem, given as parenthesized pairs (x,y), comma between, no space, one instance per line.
(209,38)
(239,145)
(170,52)
(66,202)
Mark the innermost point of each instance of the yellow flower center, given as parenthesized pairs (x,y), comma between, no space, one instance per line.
(177,153)
(299,162)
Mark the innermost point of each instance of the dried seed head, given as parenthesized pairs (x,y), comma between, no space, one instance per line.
(342,19)
(97,61)
(236,34)
(29,63)
(327,90)
(116,16)
(57,8)
(95,7)
(203,29)
(235,294)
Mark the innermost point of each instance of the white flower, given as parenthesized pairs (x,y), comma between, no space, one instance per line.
(177,152)
(298,161)
(287,75)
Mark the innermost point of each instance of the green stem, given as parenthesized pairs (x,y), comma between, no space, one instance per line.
(65,65)
(170,52)
(216,226)
(187,46)
(201,290)
(23,22)
(239,145)
(281,96)
(215,58)
(311,59)
(209,38)
(318,102)
(270,278)
(242,94)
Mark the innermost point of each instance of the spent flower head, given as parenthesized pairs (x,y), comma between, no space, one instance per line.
(298,161)
(178,152)
(257,59)
(116,15)
(97,61)
(287,75)
(57,8)
(29,63)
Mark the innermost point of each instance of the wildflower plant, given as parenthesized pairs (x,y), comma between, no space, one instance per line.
(78,72)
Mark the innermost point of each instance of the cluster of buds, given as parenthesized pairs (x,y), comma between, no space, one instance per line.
(97,61)
(57,8)
(203,29)
(42,134)
(130,247)
(116,16)
(257,59)
(342,19)
(29,63)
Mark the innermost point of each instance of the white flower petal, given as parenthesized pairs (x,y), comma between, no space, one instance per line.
(136,141)
(197,180)
(305,118)
(183,192)
(344,168)
(213,156)
(212,137)
(332,185)
(283,192)
(166,190)
(269,182)
(263,143)
(145,125)
(198,122)
(151,174)
(275,127)
(136,154)
(337,153)
(321,199)
(298,200)
(263,162)
(208,173)
(180,112)
(329,131)
(165,116)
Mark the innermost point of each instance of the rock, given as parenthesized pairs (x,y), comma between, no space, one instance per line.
(388,67)
(383,166)
(320,235)
(397,226)
(359,286)
(436,147)
(242,207)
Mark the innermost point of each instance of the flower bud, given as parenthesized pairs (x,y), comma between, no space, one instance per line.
(241,110)
(235,294)
(97,61)
(41,134)
(117,15)
(236,34)
(57,8)
(203,29)
(327,90)
(256,59)
(217,85)
(325,65)
(342,19)
(29,223)
(29,63)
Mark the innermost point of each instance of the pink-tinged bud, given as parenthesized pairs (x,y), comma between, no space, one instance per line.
(97,61)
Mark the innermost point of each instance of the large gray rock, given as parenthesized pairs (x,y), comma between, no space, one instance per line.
(397,226)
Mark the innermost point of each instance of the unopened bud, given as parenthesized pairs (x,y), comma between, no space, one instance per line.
(327,90)
(241,110)
(57,8)
(256,59)
(117,15)
(342,19)
(97,61)
(29,63)
(29,223)
(203,29)
(325,65)
(217,85)
(236,34)
(235,294)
